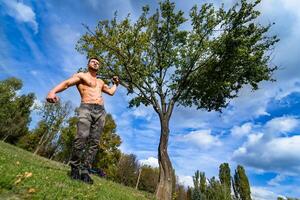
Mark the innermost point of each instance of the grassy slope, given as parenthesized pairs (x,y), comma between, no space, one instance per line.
(25,176)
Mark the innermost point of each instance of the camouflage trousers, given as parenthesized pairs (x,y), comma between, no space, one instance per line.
(89,128)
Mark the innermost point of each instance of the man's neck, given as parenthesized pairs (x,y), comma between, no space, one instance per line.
(92,73)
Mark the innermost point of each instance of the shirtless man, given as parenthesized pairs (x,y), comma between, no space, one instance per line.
(91,117)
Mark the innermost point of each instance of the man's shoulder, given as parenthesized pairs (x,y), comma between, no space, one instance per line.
(79,74)
(100,80)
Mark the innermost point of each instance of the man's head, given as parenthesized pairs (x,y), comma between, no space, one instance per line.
(93,63)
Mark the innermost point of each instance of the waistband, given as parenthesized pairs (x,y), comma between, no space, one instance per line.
(92,105)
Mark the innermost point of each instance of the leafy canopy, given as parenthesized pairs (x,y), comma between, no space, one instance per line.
(164,63)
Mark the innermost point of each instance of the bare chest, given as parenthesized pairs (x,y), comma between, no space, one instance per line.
(90,85)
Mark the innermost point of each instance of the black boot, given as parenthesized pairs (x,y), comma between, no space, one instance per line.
(85,177)
(75,173)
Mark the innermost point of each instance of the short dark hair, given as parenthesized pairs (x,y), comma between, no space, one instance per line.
(95,58)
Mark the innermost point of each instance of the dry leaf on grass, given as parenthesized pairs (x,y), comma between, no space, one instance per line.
(22,176)
(18,181)
(27,174)
(31,190)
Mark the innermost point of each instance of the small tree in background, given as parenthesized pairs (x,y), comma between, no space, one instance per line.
(225,179)
(149,178)
(30,141)
(213,189)
(66,139)
(127,170)
(241,184)
(198,185)
(54,117)
(14,110)
(163,65)
(189,193)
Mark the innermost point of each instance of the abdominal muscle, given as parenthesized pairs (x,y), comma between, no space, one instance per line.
(91,95)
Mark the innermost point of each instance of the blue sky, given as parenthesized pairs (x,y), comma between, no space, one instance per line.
(260,130)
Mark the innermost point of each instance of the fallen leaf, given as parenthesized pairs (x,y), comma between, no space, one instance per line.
(31,190)
(27,174)
(18,181)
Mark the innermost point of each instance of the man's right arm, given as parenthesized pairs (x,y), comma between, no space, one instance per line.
(75,79)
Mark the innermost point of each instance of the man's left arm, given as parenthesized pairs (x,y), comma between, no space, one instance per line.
(111,90)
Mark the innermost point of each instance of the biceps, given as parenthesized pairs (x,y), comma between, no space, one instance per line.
(73,81)
(105,88)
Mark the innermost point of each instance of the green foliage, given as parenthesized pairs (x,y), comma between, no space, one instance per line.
(54,116)
(181,194)
(199,186)
(225,178)
(108,155)
(189,193)
(30,141)
(66,139)
(47,179)
(14,110)
(204,66)
(213,189)
(241,184)
(127,170)
(216,191)
(148,179)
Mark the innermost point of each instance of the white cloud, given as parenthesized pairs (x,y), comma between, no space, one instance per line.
(151,161)
(267,151)
(201,138)
(277,155)
(260,193)
(143,112)
(240,131)
(22,13)
(186,180)
(282,124)
(276,181)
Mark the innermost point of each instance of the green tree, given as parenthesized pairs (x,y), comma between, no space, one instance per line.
(164,65)
(225,178)
(149,178)
(180,192)
(108,156)
(198,190)
(189,194)
(202,182)
(54,116)
(66,139)
(241,184)
(216,191)
(127,170)
(31,140)
(14,110)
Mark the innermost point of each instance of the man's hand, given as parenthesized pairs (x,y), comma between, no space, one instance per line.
(52,98)
(116,80)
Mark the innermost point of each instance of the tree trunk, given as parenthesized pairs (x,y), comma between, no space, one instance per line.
(4,139)
(39,144)
(138,180)
(164,187)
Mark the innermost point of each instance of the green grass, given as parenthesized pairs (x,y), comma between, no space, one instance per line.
(26,176)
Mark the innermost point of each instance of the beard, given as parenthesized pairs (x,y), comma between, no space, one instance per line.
(93,69)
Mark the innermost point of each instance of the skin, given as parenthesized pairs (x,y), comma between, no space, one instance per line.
(89,87)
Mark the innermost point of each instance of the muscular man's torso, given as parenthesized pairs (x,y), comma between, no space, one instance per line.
(90,89)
